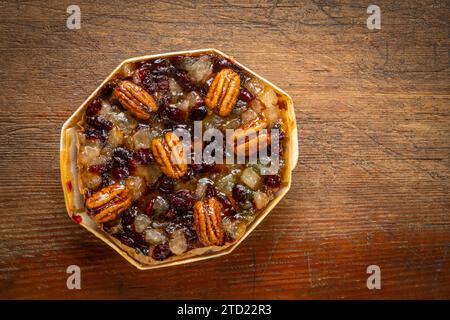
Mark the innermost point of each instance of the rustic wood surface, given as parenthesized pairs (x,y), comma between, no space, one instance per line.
(373,179)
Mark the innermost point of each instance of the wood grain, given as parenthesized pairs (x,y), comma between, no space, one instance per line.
(373,179)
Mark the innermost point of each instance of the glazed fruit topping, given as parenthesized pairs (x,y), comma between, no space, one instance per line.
(138,184)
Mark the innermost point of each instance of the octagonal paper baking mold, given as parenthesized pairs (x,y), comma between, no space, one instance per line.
(75,202)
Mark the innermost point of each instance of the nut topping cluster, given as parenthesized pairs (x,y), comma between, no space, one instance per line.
(142,183)
(223,92)
(107,203)
(255,138)
(208,221)
(135,99)
(169,154)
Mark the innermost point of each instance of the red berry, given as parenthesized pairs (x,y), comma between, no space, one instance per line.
(221,63)
(142,156)
(107,90)
(183,200)
(94,134)
(161,251)
(198,112)
(166,184)
(120,172)
(272,181)
(121,156)
(99,123)
(239,193)
(77,218)
(94,108)
(245,95)
(175,114)
(183,80)
(162,83)
(149,207)
(228,209)
(128,216)
(98,168)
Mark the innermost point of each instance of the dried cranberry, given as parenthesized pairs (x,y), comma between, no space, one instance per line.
(132,239)
(107,90)
(185,218)
(166,184)
(221,63)
(246,95)
(143,156)
(272,181)
(188,175)
(239,193)
(121,156)
(183,80)
(148,80)
(170,214)
(162,66)
(94,134)
(99,123)
(149,207)
(204,167)
(198,112)
(77,218)
(98,168)
(163,103)
(128,216)
(160,62)
(142,73)
(183,200)
(125,239)
(228,209)
(190,234)
(171,228)
(120,172)
(162,83)
(132,165)
(210,190)
(106,179)
(175,114)
(161,251)
(94,108)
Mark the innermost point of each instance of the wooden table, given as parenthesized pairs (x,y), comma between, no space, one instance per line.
(373,179)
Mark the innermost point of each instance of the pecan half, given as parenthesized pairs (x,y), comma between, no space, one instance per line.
(170,155)
(208,222)
(135,99)
(107,203)
(223,92)
(249,137)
